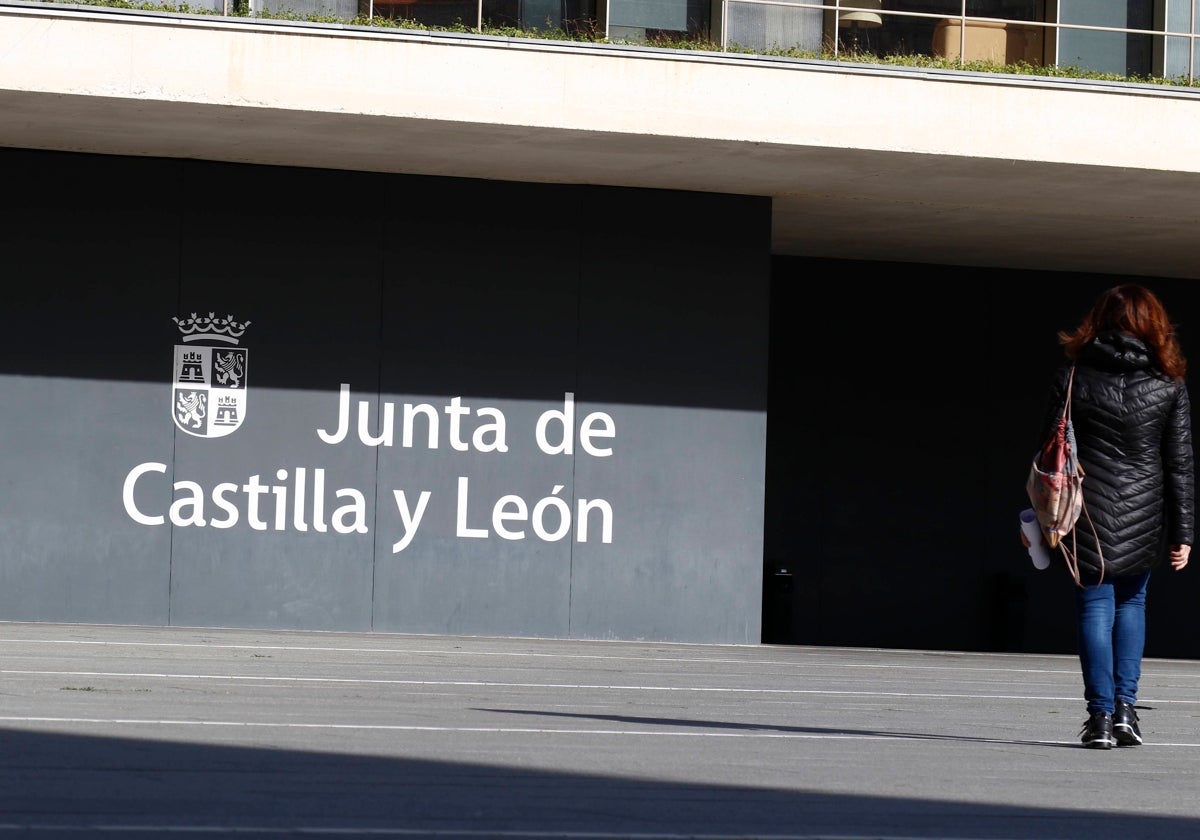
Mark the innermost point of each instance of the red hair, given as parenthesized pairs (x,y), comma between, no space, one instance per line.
(1138,311)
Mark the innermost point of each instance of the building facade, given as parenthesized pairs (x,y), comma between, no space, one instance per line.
(318,326)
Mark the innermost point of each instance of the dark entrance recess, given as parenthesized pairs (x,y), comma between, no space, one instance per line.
(900,426)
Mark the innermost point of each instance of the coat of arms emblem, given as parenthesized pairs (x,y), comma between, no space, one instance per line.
(208,394)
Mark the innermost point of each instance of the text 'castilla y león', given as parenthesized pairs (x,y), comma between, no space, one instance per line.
(301,501)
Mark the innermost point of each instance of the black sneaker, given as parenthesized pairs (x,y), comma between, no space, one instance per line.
(1097,732)
(1125,725)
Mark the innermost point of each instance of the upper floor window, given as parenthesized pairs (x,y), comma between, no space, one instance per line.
(648,20)
(1122,37)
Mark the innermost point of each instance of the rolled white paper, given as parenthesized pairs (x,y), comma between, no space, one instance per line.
(1039,552)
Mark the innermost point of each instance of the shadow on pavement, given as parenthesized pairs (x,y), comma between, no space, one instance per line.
(799,730)
(75,786)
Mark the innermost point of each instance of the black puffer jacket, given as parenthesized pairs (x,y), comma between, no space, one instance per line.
(1133,427)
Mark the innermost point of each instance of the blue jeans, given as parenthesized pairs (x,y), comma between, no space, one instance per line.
(1111,629)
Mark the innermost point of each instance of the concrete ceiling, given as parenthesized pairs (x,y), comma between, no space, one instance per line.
(828,202)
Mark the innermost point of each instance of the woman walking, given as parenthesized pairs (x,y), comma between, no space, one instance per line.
(1132,418)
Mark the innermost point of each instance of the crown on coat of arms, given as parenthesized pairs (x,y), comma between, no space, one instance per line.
(210,327)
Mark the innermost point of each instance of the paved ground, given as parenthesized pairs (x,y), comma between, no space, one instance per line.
(145,732)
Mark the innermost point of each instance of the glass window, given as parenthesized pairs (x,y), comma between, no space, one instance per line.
(430,12)
(1107,52)
(1182,16)
(646,20)
(579,16)
(1176,53)
(935,31)
(502,13)
(567,15)
(1006,9)
(760,27)
(903,35)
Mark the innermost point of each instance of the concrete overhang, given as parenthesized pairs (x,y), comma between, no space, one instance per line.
(861,162)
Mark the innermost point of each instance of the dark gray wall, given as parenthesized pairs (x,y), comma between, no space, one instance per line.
(649,308)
